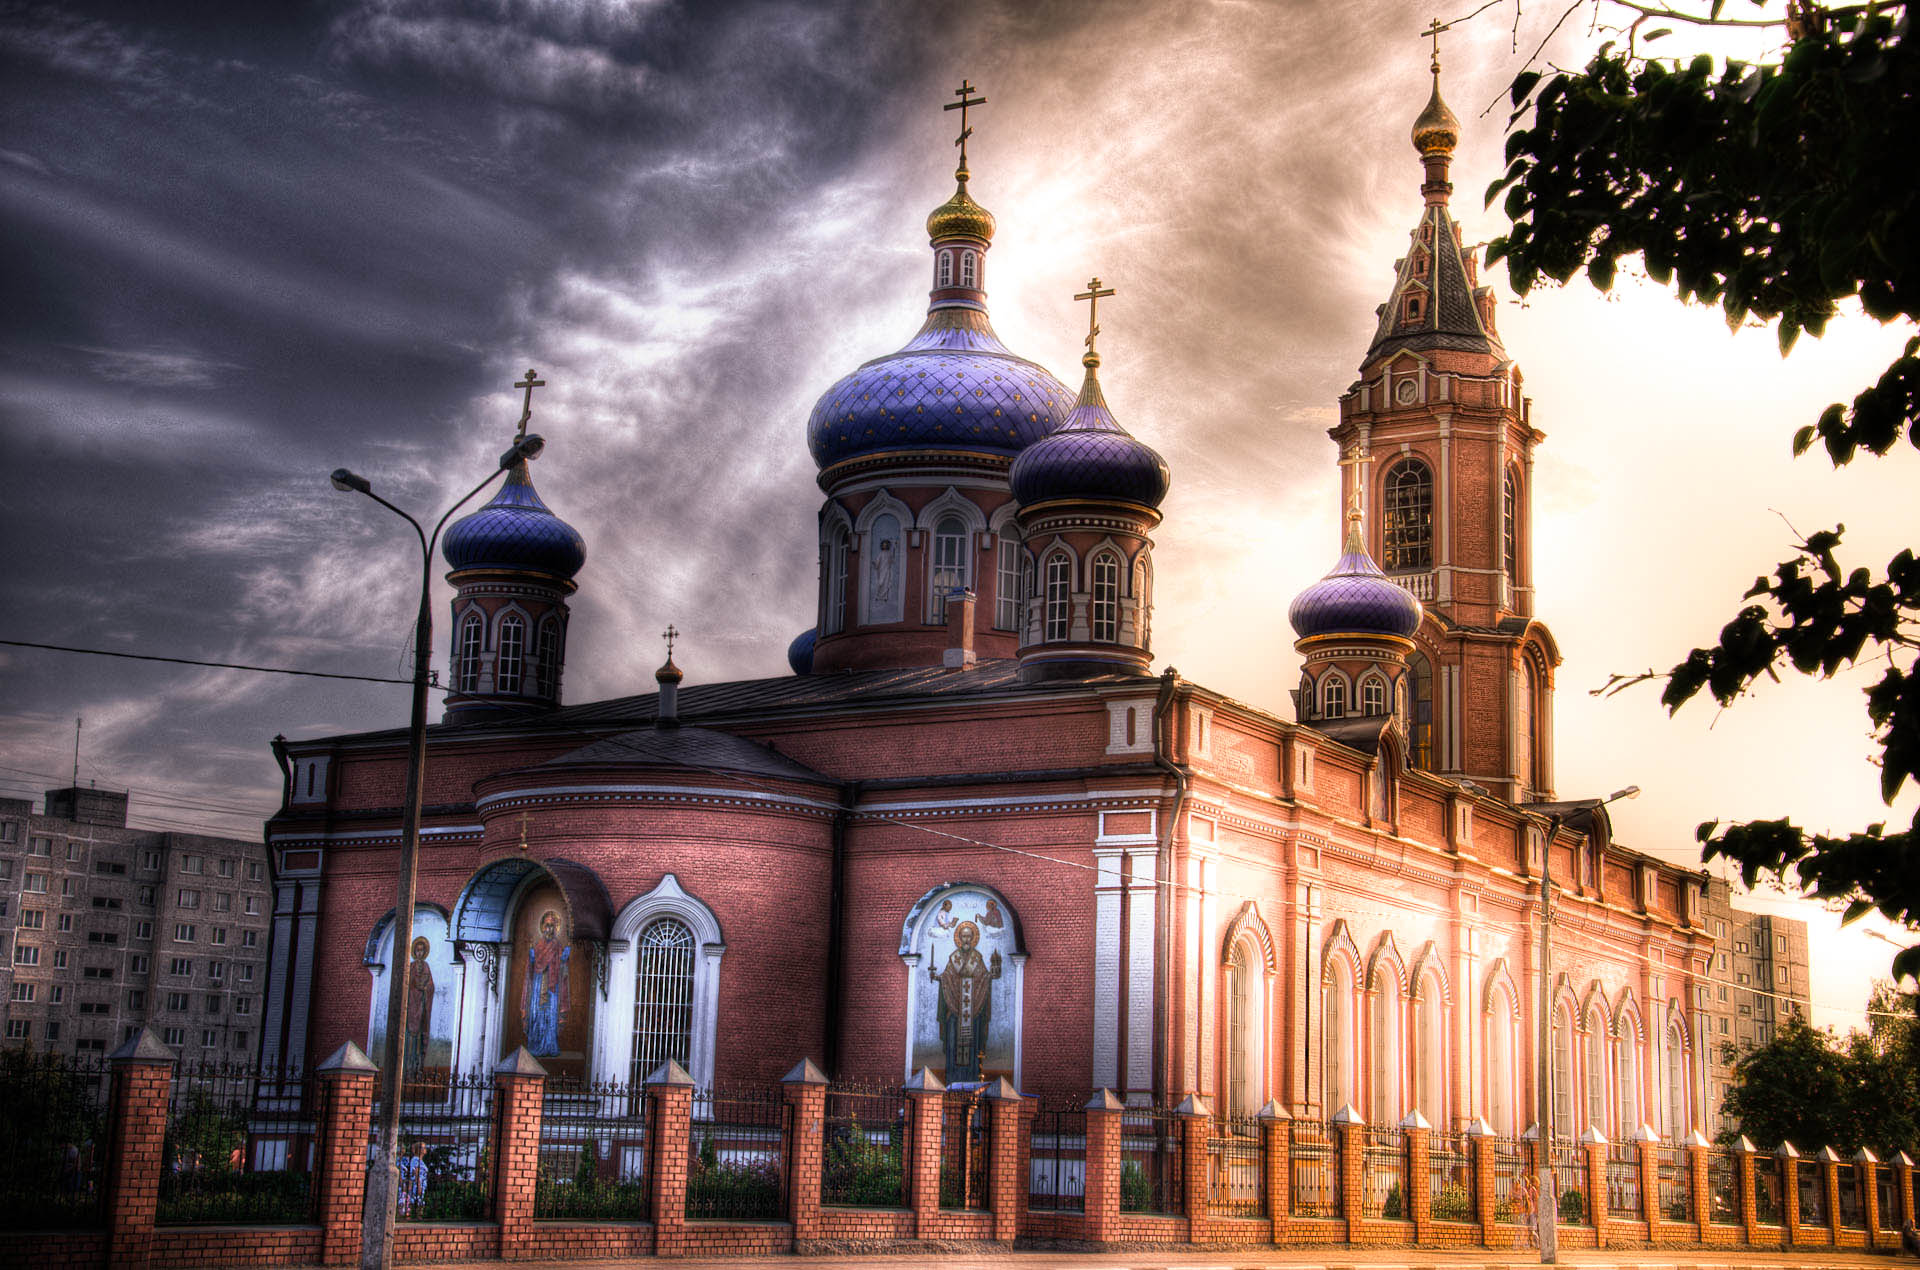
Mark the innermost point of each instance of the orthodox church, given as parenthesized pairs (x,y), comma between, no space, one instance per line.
(974,832)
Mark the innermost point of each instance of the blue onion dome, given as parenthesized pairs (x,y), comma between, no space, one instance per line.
(515,531)
(1356,598)
(1090,456)
(800,651)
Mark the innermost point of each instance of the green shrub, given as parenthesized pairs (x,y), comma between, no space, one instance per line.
(1453,1203)
(219,1195)
(1136,1192)
(748,1189)
(1573,1207)
(1393,1207)
(859,1172)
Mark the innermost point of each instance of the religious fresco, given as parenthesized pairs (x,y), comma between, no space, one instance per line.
(432,1000)
(963,1025)
(549,1001)
(883,570)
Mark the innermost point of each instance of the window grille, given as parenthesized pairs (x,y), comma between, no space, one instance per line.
(1373,697)
(1059,596)
(949,563)
(967,273)
(1510,517)
(663,997)
(1237,985)
(946,268)
(1333,698)
(468,678)
(1407,518)
(513,643)
(1106,598)
(1006,607)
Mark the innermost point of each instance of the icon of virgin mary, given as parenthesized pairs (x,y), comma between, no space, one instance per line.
(544,1001)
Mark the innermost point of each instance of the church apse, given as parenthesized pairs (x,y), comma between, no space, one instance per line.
(965,962)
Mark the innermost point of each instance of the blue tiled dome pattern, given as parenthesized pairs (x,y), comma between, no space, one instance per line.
(800,651)
(953,387)
(1090,456)
(515,531)
(1355,599)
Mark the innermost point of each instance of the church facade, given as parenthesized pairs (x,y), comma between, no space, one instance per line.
(974,832)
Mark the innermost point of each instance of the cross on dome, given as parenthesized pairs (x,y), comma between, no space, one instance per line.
(670,634)
(1433,29)
(1357,459)
(965,104)
(530,383)
(1093,295)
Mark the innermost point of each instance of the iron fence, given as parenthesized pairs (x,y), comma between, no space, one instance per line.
(239,1147)
(1813,1192)
(1569,1177)
(1450,1188)
(447,1132)
(1512,1199)
(1383,1174)
(1314,1163)
(1769,1190)
(1853,1197)
(963,1150)
(1236,1168)
(1623,1179)
(741,1144)
(863,1163)
(1151,1180)
(1057,1161)
(1883,1187)
(594,1152)
(1676,1182)
(52,1170)
(1723,1189)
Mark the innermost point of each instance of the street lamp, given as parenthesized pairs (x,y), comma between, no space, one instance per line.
(1547,1199)
(376,1229)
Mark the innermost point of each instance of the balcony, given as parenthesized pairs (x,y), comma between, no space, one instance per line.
(1419,585)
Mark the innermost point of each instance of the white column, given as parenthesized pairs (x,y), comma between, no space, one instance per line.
(1141,907)
(1110,864)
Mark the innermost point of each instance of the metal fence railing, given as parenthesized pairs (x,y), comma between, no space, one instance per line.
(1450,1189)
(1057,1161)
(1811,1180)
(1623,1180)
(739,1150)
(1570,1179)
(863,1163)
(963,1150)
(53,1165)
(1236,1168)
(1314,1167)
(1383,1174)
(1889,1202)
(1512,1160)
(446,1148)
(1723,1189)
(1769,1190)
(1676,1182)
(1853,1197)
(593,1152)
(238,1147)
(1151,1180)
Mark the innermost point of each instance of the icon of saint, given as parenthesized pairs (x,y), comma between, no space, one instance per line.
(546,997)
(965,1006)
(945,919)
(992,917)
(419,1022)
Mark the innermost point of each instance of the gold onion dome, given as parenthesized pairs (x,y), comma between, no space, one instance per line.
(1436,131)
(960,217)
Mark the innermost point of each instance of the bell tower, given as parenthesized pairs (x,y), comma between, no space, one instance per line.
(1440,418)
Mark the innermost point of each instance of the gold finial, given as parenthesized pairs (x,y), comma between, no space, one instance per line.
(1433,29)
(965,104)
(526,408)
(1093,295)
(1436,131)
(1357,460)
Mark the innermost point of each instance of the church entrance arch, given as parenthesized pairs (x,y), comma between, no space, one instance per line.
(537,931)
(966,966)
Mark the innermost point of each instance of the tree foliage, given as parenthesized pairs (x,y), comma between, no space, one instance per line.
(1812,1089)
(1775,192)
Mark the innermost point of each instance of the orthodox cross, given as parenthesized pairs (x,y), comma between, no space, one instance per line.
(523,831)
(1093,295)
(1433,29)
(669,635)
(965,104)
(526,409)
(1358,462)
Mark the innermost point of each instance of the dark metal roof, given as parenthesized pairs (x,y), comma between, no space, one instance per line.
(1451,320)
(697,748)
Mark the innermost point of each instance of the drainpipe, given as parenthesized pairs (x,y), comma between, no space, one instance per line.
(836,900)
(1163,869)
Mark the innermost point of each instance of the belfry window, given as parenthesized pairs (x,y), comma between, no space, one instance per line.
(1006,601)
(834,619)
(1510,518)
(1373,696)
(1333,697)
(1406,524)
(1059,596)
(949,564)
(1420,712)
(467,674)
(1106,597)
(663,997)
(968,272)
(546,660)
(946,269)
(513,649)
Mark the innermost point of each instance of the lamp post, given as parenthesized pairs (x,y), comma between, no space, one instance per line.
(376,1228)
(1547,1199)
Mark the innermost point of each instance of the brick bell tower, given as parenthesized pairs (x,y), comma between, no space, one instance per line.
(1444,442)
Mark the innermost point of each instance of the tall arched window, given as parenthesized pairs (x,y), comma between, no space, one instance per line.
(838,549)
(1510,542)
(968,274)
(1523,727)
(1059,596)
(1429,1055)
(1143,599)
(949,563)
(1106,597)
(1500,1087)
(663,997)
(1562,1075)
(1626,1076)
(467,668)
(946,269)
(1336,1068)
(1333,697)
(1679,1121)
(1406,521)
(1373,696)
(1383,1049)
(1420,712)
(546,659)
(1026,592)
(1006,604)
(513,652)
(1596,1072)
(1239,984)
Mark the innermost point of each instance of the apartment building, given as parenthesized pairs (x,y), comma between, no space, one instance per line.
(1757,980)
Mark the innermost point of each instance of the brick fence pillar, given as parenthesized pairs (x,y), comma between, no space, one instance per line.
(345,1084)
(1790,1192)
(1353,1167)
(1748,1186)
(1196,1126)
(1006,1167)
(670,1108)
(1595,1149)
(520,1085)
(1276,1155)
(1486,1189)
(927,1098)
(805,1088)
(1827,1160)
(1102,1184)
(1416,1195)
(1864,1163)
(1902,1165)
(1699,1184)
(1650,1211)
(137,1129)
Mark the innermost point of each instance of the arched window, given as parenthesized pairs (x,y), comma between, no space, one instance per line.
(1333,697)
(1523,728)
(1006,604)
(1059,596)
(1420,712)
(946,269)
(1679,1121)
(513,654)
(1026,591)
(1143,599)
(1510,519)
(1336,1070)
(1562,1075)
(467,668)
(838,549)
(949,564)
(662,997)
(882,562)
(1500,1087)
(1106,597)
(1430,1055)
(1406,523)
(1373,696)
(1626,1069)
(1383,1050)
(968,277)
(1596,1073)
(1239,983)
(546,659)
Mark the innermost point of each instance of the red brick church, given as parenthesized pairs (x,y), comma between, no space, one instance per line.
(973,831)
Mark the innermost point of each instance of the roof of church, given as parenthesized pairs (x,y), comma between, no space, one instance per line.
(1449,319)
(696,748)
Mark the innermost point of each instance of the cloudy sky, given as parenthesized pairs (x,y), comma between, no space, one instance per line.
(242,245)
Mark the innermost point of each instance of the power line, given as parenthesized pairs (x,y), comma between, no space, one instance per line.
(190,661)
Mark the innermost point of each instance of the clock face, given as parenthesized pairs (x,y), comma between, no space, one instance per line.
(1406,392)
